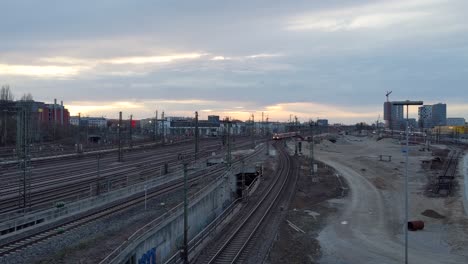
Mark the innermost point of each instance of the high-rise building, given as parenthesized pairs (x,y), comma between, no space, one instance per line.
(425,116)
(439,114)
(432,115)
(393,116)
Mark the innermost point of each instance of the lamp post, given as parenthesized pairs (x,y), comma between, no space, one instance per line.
(407,103)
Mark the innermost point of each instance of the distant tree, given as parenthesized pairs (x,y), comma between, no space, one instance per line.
(27,97)
(6,94)
(7,127)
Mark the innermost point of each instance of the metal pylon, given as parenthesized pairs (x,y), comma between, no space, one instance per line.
(23,140)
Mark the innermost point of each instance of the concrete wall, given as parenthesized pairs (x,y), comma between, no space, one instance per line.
(166,239)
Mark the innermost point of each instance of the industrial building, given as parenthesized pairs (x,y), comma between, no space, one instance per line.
(322,122)
(46,119)
(186,126)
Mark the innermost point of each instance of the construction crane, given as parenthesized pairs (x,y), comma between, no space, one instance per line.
(388,93)
(390,123)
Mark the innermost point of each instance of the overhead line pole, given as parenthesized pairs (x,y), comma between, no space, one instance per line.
(130,134)
(311,147)
(253,132)
(407,103)
(185,213)
(228,142)
(119,129)
(163,136)
(155,126)
(196,135)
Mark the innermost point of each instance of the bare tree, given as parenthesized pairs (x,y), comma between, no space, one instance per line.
(6,94)
(27,97)
(6,99)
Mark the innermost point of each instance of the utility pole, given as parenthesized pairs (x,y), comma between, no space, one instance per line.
(196,135)
(155,127)
(79,130)
(23,138)
(98,181)
(268,137)
(311,147)
(4,126)
(228,142)
(163,128)
(185,213)
(120,137)
(130,132)
(263,127)
(253,132)
(243,179)
(55,117)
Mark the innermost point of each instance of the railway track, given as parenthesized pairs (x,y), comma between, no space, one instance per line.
(445,182)
(60,186)
(45,232)
(230,248)
(48,151)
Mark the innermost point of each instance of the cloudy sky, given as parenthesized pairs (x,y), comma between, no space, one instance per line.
(314,59)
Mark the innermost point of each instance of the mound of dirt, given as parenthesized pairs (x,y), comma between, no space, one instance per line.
(432,214)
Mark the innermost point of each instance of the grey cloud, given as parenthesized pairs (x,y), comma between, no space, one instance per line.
(342,68)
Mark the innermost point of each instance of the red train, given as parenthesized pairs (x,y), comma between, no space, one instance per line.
(278,136)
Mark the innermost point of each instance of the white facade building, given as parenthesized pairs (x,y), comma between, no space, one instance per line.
(456,121)
(100,122)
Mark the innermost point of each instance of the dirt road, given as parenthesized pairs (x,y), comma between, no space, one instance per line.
(368,227)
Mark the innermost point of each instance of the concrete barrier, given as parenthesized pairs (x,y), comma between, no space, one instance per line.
(13,223)
(162,238)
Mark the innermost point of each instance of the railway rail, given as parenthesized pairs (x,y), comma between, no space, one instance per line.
(61,185)
(445,182)
(230,248)
(47,231)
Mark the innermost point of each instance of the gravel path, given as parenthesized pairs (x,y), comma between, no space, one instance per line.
(369,226)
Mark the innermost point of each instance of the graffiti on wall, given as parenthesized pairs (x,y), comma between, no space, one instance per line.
(149,257)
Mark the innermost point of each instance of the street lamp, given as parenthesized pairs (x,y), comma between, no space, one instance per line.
(407,103)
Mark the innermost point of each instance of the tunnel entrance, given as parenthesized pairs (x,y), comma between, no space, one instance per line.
(250,173)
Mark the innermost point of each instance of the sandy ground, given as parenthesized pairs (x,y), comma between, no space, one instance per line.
(368,227)
(306,216)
